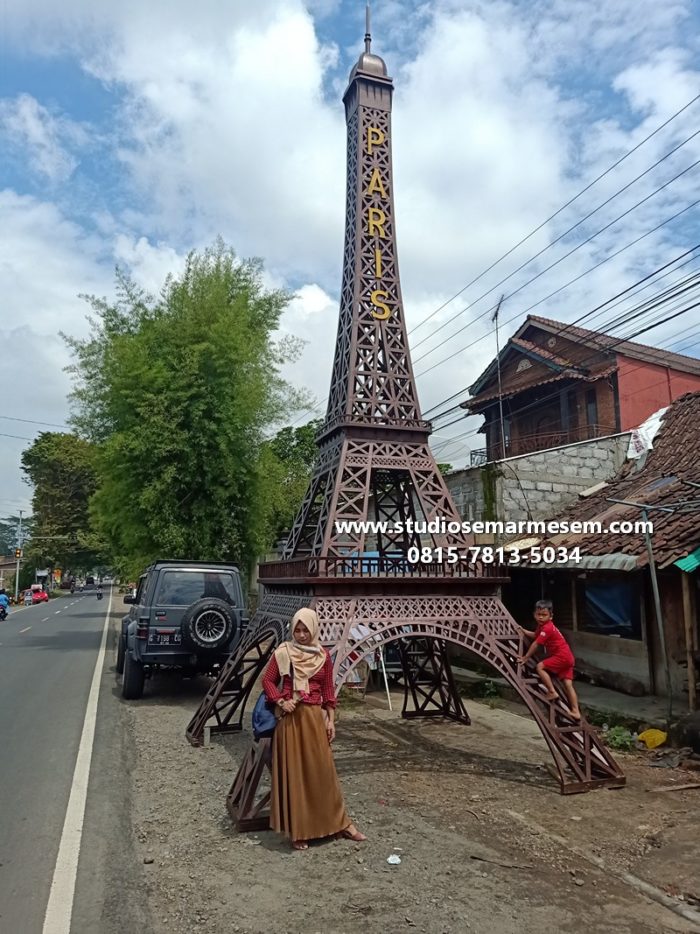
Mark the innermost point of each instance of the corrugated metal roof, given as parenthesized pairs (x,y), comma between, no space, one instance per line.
(690,563)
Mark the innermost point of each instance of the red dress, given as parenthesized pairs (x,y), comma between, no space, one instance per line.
(321,690)
(306,801)
(560,659)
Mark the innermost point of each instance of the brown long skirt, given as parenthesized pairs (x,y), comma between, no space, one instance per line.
(306,802)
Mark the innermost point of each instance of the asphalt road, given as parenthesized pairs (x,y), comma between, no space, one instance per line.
(47,660)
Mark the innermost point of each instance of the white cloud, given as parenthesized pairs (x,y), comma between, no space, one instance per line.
(148,264)
(502,112)
(27,126)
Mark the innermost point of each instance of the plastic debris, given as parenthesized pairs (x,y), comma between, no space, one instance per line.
(394,860)
(653,738)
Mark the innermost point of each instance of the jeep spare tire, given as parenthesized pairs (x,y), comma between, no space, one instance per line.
(208,625)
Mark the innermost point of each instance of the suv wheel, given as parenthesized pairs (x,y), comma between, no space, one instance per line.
(121,653)
(132,682)
(208,625)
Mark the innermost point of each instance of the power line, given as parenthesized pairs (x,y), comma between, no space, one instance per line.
(658,298)
(566,285)
(566,256)
(570,229)
(626,293)
(29,421)
(554,395)
(19,437)
(556,213)
(319,405)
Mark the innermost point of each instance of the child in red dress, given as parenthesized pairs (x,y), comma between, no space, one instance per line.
(559,659)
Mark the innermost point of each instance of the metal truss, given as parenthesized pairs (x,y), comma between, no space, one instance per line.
(225,701)
(374,462)
(247,808)
(429,687)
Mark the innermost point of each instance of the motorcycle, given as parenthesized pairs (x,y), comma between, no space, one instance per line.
(3,613)
(99,594)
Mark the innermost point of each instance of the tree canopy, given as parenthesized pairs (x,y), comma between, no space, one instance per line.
(179,393)
(61,468)
(291,456)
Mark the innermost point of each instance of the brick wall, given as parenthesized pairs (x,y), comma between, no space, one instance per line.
(540,485)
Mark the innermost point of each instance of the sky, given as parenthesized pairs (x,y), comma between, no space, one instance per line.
(132,133)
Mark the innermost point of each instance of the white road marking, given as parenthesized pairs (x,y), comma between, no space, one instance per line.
(56,612)
(44,619)
(59,909)
(25,630)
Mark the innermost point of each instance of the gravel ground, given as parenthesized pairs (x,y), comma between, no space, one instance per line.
(471,812)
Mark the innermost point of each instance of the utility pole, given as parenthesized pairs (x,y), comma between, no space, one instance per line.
(645,507)
(494,319)
(18,552)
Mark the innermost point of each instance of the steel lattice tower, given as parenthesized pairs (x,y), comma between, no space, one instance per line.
(374,462)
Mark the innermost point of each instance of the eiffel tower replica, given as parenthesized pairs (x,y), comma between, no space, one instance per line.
(374,463)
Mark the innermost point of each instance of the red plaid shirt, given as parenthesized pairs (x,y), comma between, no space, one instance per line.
(321,688)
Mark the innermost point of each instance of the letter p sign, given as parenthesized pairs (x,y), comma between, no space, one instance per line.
(375,137)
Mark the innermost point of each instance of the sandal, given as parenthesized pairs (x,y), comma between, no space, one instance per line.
(356,836)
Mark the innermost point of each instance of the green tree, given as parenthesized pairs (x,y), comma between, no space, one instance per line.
(61,469)
(8,534)
(179,392)
(290,458)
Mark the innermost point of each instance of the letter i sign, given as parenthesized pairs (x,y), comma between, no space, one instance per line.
(376,219)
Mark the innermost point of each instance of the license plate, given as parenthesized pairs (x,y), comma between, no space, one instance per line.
(165,638)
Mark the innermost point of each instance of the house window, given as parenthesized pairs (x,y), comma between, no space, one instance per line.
(611,607)
(591,407)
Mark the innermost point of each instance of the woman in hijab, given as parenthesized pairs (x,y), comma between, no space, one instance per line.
(307,802)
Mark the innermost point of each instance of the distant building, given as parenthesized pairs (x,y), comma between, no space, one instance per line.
(604,601)
(562,384)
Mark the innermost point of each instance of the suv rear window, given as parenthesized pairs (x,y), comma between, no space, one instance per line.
(138,596)
(182,588)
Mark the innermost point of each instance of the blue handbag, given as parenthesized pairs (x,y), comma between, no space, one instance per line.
(264,719)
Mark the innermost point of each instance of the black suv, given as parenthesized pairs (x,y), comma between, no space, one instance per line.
(185,614)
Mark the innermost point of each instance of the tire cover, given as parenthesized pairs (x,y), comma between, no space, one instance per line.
(191,637)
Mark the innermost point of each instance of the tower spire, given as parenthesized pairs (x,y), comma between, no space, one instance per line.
(368,31)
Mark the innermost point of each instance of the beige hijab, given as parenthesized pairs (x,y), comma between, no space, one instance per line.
(303,660)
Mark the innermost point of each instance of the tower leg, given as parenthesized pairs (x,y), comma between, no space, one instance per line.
(429,683)
(226,698)
(247,813)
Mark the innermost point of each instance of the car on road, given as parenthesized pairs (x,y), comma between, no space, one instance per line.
(186,615)
(39,596)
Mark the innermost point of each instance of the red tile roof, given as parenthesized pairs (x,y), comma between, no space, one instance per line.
(606,342)
(673,459)
(513,389)
(595,340)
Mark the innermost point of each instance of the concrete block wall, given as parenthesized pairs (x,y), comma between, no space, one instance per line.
(467,492)
(540,485)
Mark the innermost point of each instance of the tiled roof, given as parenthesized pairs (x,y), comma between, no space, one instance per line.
(598,339)
(514,389)
(595,340)
(673,459)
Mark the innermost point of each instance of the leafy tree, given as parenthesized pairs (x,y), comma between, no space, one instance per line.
(61,468)
(8,533)
(180,391)
(290,457)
